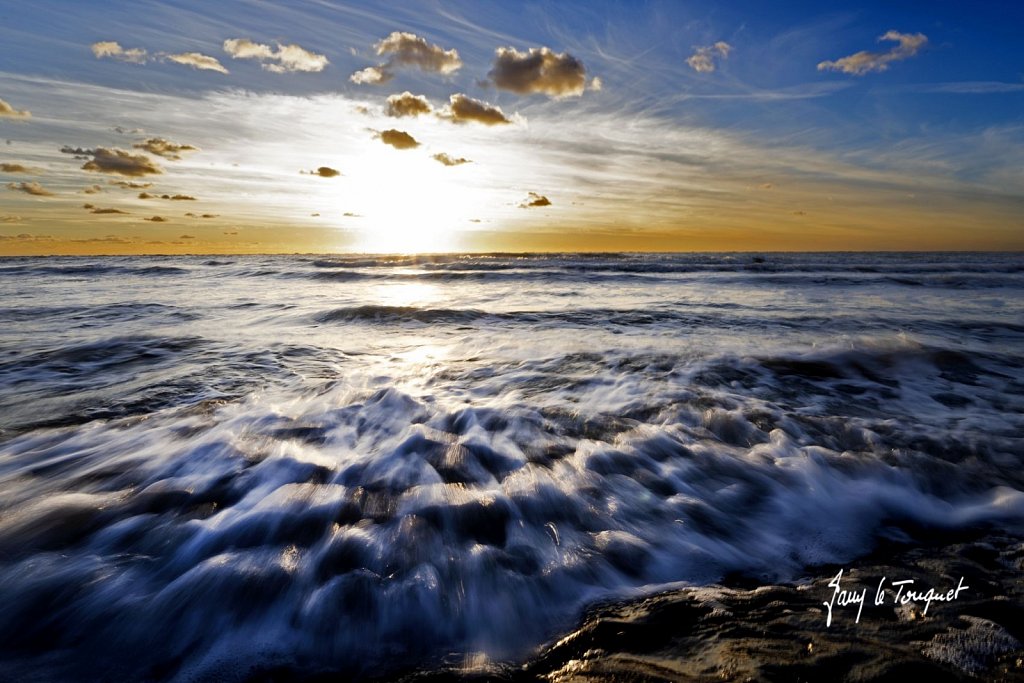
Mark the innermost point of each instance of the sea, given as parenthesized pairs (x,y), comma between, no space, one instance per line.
(213,467)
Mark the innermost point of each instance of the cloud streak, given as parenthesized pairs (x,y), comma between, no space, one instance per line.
(865,62)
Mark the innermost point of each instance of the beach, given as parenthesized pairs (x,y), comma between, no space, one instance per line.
(522,467)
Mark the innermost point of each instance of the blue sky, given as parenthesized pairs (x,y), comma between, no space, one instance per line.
(707,118)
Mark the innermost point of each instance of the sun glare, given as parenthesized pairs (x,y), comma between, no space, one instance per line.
(404,203)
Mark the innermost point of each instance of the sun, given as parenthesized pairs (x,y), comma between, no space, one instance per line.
(403,201)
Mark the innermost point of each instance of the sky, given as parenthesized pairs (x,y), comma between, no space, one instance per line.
(323,126)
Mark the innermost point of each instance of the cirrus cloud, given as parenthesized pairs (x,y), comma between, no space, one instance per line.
(865,61)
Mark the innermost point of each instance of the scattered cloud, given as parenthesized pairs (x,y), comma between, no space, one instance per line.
(596,83)
(26,237)
(535,199)
(450,160)
(93,189)
(110,49)
(282,59)
(463,108)
(539,70)
(128,185)
(164,148)
(121,130)
(33,188)
(156,219)
(108,211)
(407,49)
(174,197)
(9,112)
(398,139)
(197,60)
(15,168)
(864,62)
(705,58)
(371,75)
(88,206)
(407,104)
(10,219)
(186,237)
(118,162)
(325,172)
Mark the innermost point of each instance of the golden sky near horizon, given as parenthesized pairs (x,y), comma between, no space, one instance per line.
(464,135)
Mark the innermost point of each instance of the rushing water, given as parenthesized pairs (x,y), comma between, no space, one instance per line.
(210,466)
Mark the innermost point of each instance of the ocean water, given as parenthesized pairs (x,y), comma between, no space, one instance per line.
(211,467)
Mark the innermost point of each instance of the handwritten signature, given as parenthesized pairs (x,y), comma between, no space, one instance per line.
(903,592)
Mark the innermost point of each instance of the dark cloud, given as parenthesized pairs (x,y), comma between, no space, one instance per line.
(398,139)
(156,219)
(449,160)
(540,70)
(174,197)
(33,188)
(93,189)
(860,63)
(15,168)
(164,148)
(119,162)
(463,108)
(324,172)
(407,104)
(96,210)
(186,237)
(535,200)
(409,49)
(128,185)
